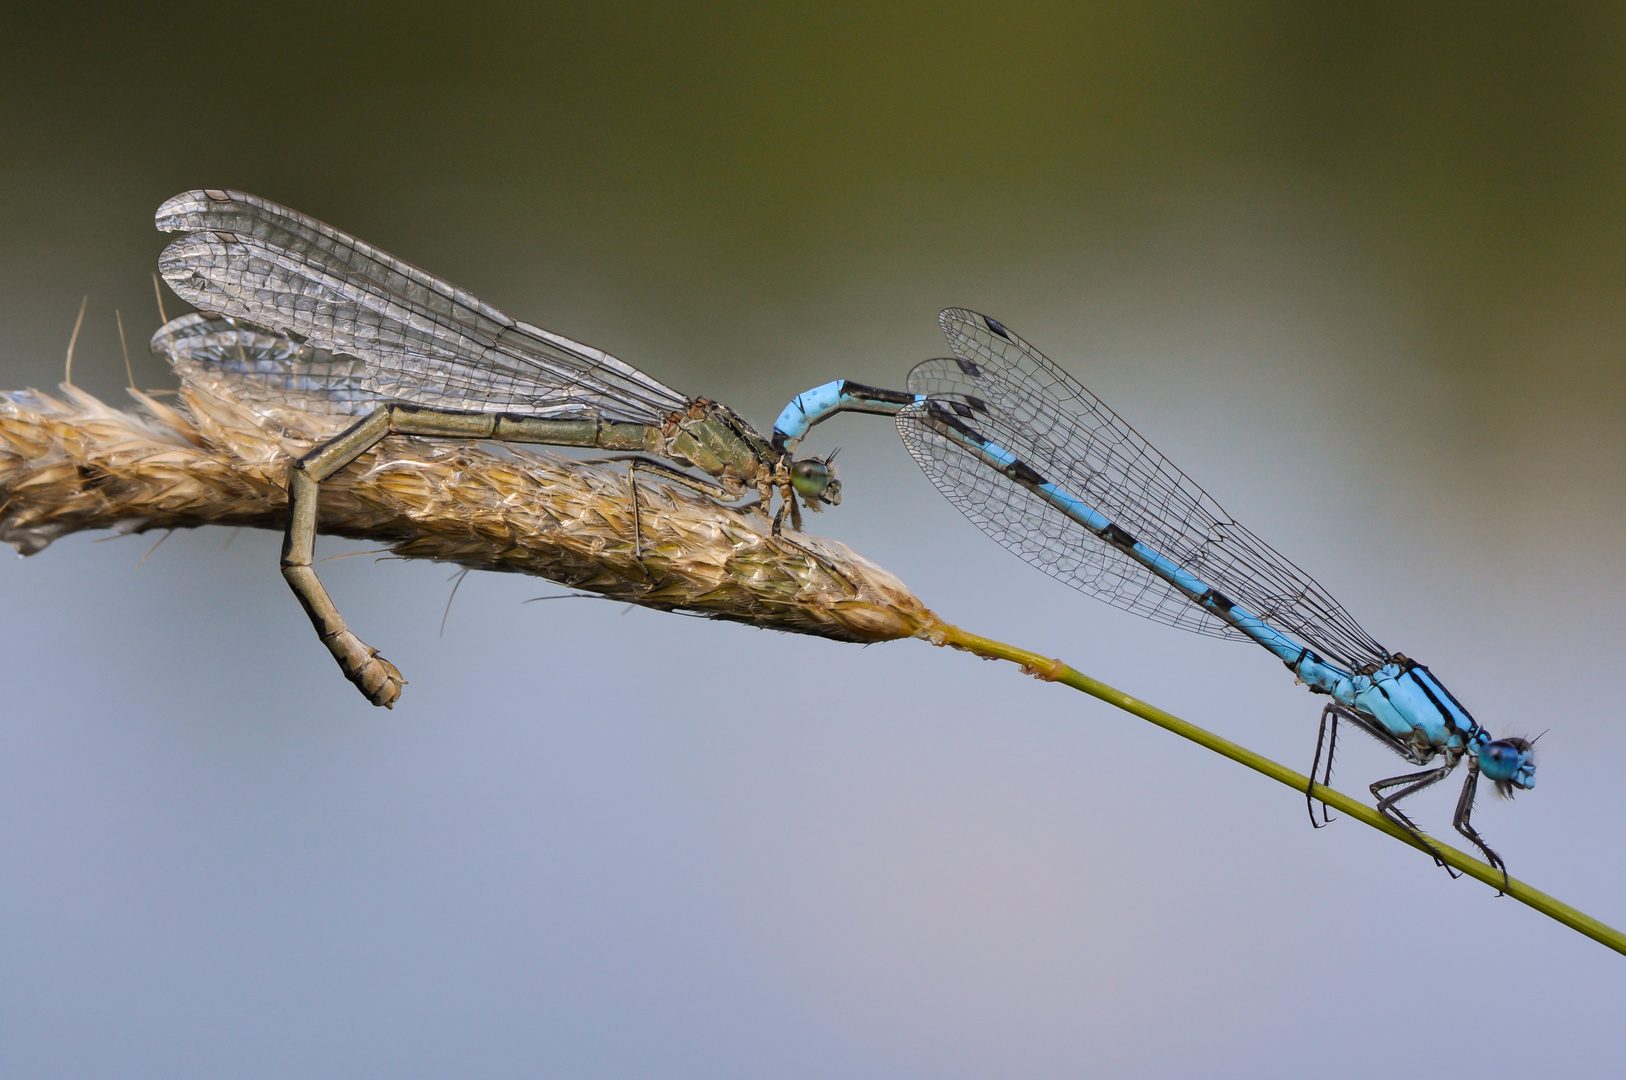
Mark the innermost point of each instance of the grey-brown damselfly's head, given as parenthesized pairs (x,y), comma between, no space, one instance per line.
(815,480)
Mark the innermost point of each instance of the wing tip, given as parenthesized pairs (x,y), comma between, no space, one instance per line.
(173,212)
(957,321)
(180,213)
(178,327)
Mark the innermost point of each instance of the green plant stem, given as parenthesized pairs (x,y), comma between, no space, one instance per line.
(1055,671)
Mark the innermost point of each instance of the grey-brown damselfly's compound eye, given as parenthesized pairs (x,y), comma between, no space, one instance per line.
(815,480)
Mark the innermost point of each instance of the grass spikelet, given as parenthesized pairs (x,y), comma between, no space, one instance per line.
(70,462)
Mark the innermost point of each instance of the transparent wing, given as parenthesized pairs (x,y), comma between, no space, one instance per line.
(1010,393)
(264,370)
(421,339)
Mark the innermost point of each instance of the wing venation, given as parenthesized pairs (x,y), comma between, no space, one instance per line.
(421,339)
(1018,398)
(268,372)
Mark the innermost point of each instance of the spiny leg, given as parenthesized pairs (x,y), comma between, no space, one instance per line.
(639,463)
(1330,716)
(765,491)
(1386,807)
(787,500)
(1465,808)
(1413,783)
(1329,734)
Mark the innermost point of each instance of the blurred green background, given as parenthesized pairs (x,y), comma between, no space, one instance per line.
(1359,269)
(1470,153)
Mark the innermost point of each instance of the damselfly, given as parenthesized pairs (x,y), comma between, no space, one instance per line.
(372,336)
(1045,468)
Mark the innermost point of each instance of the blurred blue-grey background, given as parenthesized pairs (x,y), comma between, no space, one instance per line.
(1361,271)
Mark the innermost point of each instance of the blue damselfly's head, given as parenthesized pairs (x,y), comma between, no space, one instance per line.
(1509,763)
(815,480)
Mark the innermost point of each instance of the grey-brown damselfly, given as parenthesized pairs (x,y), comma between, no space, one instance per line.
(407,353)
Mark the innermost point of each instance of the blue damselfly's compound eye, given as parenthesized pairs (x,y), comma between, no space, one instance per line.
(813,480)
(1509,763)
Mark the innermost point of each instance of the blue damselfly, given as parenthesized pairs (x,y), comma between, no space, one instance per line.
(1049,471)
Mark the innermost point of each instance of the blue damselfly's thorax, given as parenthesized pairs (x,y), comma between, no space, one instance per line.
(1416,708)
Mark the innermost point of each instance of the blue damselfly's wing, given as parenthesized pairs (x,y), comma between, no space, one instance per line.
(422,340)
(268,372)
(1009,393)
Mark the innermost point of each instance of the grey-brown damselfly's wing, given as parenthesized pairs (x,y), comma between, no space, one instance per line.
(1009,393)
(271,373)
(419,339)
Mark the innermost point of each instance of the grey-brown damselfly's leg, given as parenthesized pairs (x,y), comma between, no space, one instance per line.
(375,676)
(638,462)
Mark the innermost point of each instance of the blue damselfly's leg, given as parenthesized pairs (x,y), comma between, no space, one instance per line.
(1329,735)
